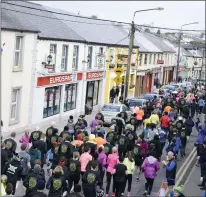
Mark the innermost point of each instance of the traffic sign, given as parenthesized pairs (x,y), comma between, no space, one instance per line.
(118,80)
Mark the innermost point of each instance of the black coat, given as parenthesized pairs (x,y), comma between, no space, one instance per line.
(112,93)
(4,159)
(42,147)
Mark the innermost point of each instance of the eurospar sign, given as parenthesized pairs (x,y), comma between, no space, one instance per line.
(58,79)
(94,75)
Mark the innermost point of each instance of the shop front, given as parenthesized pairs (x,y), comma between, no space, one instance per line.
(94,89)
(156,77)
(57,96)
(167,75)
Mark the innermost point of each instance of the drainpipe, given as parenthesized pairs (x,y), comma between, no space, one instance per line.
(33,82)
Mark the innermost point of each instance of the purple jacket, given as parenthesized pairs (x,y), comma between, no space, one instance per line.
(102,160)
(93,124)
(150,167)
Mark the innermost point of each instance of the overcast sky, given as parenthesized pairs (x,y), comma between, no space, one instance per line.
(175,13)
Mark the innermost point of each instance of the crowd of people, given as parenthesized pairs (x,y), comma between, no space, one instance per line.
(77,161)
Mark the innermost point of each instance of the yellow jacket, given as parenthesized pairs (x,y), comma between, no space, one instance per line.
(130,166)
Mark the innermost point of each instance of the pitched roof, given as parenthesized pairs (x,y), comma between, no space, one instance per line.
(94,31)
(48,26)
(158,42)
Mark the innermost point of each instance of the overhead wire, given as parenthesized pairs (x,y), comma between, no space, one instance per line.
(123,38)
(77,16)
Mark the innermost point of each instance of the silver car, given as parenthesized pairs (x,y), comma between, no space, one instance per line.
(110,111)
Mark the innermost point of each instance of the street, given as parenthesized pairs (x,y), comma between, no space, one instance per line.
(137,187)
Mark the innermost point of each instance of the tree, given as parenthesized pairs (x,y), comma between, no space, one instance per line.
(147,30)
(158,32)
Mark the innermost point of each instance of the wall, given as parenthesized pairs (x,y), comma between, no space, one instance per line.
(21,79)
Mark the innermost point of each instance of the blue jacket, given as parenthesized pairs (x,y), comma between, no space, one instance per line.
(162,136)
(201,135)
(171,148)
(201,102)
(146,131)
(189,123)
(178,144)
(49,155)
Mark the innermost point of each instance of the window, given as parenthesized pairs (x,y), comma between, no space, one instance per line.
(119,51)
(18,53)
(70,97)
(64,58)
(92,93)
(140,59)
(165,58)
(96,91)
(101,50)
(150,59)
(90,50)
(145,59)
(15,105)
(127,51)
(158,57)
(52,99)
(75,58)
(111,56)
(53,52)
(154,60)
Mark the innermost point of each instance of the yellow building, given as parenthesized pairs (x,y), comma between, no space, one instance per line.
(116,60)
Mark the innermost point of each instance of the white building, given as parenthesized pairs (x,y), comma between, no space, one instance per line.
(57,73)
(17,60)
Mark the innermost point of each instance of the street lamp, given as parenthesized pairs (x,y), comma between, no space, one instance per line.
(131,42)
(179,45)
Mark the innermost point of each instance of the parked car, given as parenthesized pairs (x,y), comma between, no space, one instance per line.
(139,102)
(150,96)
(110,111)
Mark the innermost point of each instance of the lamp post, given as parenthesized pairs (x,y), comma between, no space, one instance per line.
(179,45)
(131,42)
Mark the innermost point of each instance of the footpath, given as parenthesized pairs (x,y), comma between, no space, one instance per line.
(191,187)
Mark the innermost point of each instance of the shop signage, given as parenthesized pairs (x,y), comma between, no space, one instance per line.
(58,79)
(141,73)
(94,75)
(100,61)
(169,68)
(160,61)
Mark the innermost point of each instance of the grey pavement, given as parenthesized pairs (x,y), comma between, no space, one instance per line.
(191,187)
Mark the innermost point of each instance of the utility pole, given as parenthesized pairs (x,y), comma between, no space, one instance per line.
(178,55)
(179,46)
(131,43)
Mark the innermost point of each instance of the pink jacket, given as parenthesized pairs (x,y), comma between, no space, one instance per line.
(25,140)
(84,159)
(112,160)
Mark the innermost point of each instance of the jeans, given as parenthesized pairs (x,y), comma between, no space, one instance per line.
(149,185)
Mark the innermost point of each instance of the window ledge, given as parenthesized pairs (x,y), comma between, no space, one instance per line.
(17,70)
(13,122)
(64,71)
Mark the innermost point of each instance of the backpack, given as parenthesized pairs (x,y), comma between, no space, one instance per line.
(34,157)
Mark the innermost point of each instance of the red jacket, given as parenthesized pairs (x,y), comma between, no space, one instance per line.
(165,121)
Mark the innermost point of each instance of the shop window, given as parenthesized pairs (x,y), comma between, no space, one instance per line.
(52,98)
(70,97)
(92,93)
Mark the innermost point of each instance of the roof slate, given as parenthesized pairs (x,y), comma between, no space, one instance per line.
(47,27)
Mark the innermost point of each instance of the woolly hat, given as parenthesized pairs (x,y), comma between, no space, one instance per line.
(40,185)
(179,189)
(37,169)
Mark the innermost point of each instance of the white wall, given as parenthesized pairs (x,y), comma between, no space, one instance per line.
(11,79)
